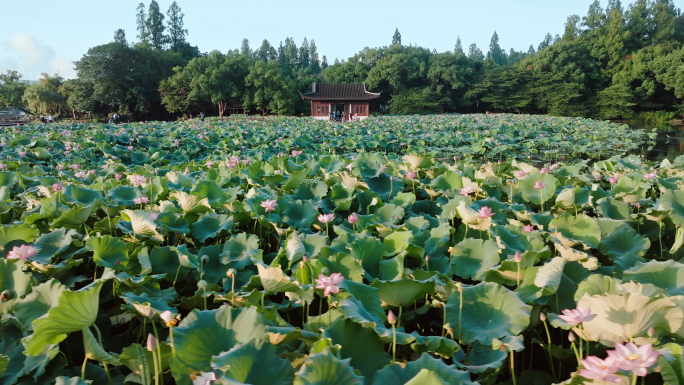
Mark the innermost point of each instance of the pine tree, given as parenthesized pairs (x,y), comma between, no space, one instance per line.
(304,55)
(245,49)
(495,51)
(595,17)
(175,25)
(458,49)
(155,26)
(264,52)
(324,63)
(396,39)
(140,20)
(315,63)
(571,28)
(475,53)
(120,36)
(639,25)
(531,51)
(612,6)
(548,40)
(665,18)
(291,58)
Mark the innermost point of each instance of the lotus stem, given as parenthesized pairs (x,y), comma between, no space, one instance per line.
(394,343)
(577,355)
(581,348)
(548,337)
(263,301)
(83,367)
(329,312)
(634,378)
(660,238)
(512,365)
(106,368)
(399,318)
(156,370)
(159,356)
(320,312)
(460,314)
(518,275)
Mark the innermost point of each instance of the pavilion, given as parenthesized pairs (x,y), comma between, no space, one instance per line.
(351,99)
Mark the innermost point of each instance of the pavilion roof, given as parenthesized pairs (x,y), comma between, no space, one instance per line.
(356,91)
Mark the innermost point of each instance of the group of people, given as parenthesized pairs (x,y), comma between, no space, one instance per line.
(47,119)
(336,115)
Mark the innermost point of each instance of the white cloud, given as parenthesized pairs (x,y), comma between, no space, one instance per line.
(31,57)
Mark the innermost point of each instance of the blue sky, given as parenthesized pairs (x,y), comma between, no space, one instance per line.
(59,32)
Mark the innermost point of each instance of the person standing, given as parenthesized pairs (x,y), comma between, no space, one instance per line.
(202,116)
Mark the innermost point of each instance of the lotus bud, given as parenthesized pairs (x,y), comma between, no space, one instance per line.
(167,316)
(542,317)
(391,318)
(151,342)
(230,272)
(427,258)
(651,331)
(571,337)
(518,257)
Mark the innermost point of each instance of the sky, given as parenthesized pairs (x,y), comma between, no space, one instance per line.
(54,34)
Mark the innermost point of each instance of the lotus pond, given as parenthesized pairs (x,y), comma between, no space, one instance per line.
(286,251)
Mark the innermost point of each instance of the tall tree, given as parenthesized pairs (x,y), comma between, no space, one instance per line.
(315,61)
(269,91)
(665,19)
(324,63)
(44,96)
(548,40)
(612,6)
(79,96)
(495,51)
(120,37)
(475,53)
(531,51)
(141,22)
(304,55)
(175,25)
(266,52)
(12,89)
(396,39)
(155,26)
(245,49)
(572,27)
(595,17)
(458,49)
(639,24)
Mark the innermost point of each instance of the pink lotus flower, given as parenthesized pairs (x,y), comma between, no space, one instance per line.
(521,173)
(517,257)
(75,166)
(652,175)
(577,316)
(81,174)
(612,180)
(538,185)
(118,176)
(391,318)
(528,229)
(269,205)
(22,153)
(466,191)
(210,163)
(410,175)
(485,212)
(141,200)
(544,170)
(138,180)
(329,284)
(59,167)
(57,187)
(151,342)
(130,148)
(353,218)
(23,252)
(176,142)
(204,378)
(384,167)
(636,359)
(153,216)
(598,369)
(297,153)
(326,218)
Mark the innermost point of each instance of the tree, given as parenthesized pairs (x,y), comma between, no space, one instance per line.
(572,27)
(12,89)
(79,96)
(269,91)
(266,52)
(531,51)
(495,51)
(475,53)
(458,49)
(665,19)
(613,5)
(120,37)
(639,24)
(396,39)
(177,93)
(177,33)
(548,40)
(245,49)
(595,17)
(614,102)
(416,101)
(304,55)
(324,63)
(44,97)
(141,22)
(155,26)
(315,62)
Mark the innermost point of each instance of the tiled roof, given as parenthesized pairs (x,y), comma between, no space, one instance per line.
(340,92)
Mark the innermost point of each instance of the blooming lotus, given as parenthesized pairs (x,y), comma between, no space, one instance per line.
(269,205)
(528,229)
(138,180)
(538,185)
(577,316)
(485,212)
(326,218)
(353,218)
(329,284)
(203,378)
(410,175)
(118,176)
(81,174)
(297,153)
(636,359)
(544,170)
(153,216)
(23,252)
(57,187)
(141,200)
(521,173)
(168,318)
(466,191)
(612,180)
(652,175)
(595,368)
(210,163)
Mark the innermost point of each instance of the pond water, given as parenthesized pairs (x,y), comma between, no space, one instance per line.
(669,142)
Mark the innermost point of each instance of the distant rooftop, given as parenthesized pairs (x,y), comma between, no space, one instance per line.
(356,91)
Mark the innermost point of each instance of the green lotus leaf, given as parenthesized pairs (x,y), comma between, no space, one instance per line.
(370,252)
(82,195)
(76,216)
(93,350)
(471,258)
(54,243)
(403,292)
(294,179)
(499,209)
(141,224)
(386,187)
(138,157)
(13,279)
(245,363)
(392,269)
(566,198)
(178,180)
(627,317)
(442,346)
(139,361)
(549,276)
(7,178)
(124,195)
(239,250)
(448,181)
(164,260)
(71,381)
(173,222)
(598,284)
(481,358)
(361,344)
(472,217)
(668,275)
(75,310)
(344,264)
(191,204)
(673,200)
(341,197)
(211,191)
(614,209)
(204,334)
(108,251)
(580,228)
(531,194)
(211,225)
(397,242)
(275,281)
(24,232)
(38,302)
(388,214)
(143,303)
(213,270)
(489,311)
(326,369)
(398,374)
(625,246)
(309,245)
(299,215)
